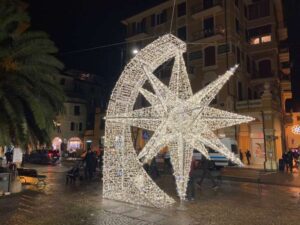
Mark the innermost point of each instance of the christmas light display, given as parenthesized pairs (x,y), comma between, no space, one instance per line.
(296,129)
(179,120)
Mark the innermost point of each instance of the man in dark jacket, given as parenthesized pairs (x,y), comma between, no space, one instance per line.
(90,160)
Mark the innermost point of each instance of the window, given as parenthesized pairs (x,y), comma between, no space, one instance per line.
(265,68)
(209,56)
(254,71)
(157,19)
(62,81)
(237,25)
(208,4)
(259,35)
(138,27)
(80,127)
(238,55)
(181,9)
(248,64)
(195,55)
(259,9)
(208,27)
(181,33)
(240,91)
(76,110)
(72,127)
(249,94)
(236,2)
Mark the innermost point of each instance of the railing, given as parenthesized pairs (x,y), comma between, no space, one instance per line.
(205,5)
(208,33)
(249,104)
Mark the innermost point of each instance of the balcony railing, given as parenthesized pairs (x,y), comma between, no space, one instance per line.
(205,5)
(218,30)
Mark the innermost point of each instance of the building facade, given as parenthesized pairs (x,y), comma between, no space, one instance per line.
(220,34)
(74,128)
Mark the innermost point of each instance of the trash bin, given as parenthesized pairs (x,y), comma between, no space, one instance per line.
(4,182)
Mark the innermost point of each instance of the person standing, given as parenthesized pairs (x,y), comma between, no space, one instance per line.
(241,155)
(290,160)
(248,156)
(285,161)
(89,164)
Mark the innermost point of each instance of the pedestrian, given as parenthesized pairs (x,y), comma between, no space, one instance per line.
(191,183)
(89,164)
(248,156)
(285,161)
(290,160)
(153,169)
(8,155)
(167,162)
(241,155)
(205,166)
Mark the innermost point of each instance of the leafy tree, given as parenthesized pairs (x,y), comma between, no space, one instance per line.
(30,98)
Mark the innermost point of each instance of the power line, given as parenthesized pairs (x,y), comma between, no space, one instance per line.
(172,18)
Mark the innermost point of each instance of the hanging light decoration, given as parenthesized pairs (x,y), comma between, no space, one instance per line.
(179,120)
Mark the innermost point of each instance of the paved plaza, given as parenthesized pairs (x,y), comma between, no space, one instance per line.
(81,203)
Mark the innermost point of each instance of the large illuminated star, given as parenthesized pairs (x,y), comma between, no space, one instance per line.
(182,121)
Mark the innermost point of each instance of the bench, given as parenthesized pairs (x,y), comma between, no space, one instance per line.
(242,175)
(31,176)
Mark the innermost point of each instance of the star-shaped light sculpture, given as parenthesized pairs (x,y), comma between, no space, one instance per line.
(181,121)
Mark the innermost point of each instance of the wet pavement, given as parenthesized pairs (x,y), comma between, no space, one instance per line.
(81,203)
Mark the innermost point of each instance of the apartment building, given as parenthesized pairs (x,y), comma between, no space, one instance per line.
(75,128)
(220,34)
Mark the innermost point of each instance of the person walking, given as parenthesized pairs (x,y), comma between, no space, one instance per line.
(285,161)
(248,156)
(205,166)
(290,159)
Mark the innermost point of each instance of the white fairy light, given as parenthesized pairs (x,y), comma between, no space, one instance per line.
(180,120)
(296,129)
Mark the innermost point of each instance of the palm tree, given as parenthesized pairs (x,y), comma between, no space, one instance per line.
(30,98)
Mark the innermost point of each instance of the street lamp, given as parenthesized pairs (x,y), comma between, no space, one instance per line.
(135,51)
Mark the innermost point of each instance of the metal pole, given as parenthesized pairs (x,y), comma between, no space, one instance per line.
(265,144)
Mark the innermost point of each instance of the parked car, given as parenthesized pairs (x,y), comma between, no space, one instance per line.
(43,157)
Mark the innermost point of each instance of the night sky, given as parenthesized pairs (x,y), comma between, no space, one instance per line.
(81,24)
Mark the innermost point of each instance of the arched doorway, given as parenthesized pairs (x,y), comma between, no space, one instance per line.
(56,143)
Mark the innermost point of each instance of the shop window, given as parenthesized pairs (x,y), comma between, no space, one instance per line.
(181,9)
(209,56)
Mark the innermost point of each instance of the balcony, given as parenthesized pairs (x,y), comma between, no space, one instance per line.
(213,34)
(206,8)
(250,104)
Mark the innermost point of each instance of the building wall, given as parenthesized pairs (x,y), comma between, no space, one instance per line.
(240,36)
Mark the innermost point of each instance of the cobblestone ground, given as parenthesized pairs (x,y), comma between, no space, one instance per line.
(82,203)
